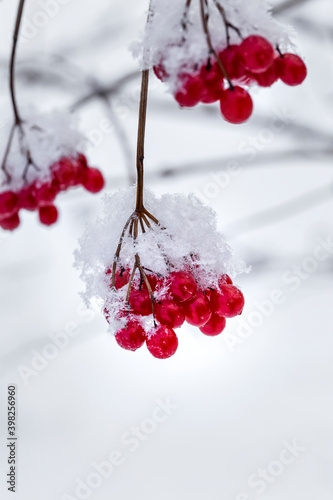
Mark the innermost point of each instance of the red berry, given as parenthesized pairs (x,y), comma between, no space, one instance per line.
(106,314)
(208,292)
(161,72)
(131,337)
(27,198)
(8,203)
(236,105)
(214,326)
(121,279)
(213,83)
(268,77)
(233,62)
(224,280)
(170,314)
(227,302)
(45,194)
(80,167)
(258,53)
(153,280)
(190,90)
(48,214)
(140,302)
(120,314)
(183,286)
(162,342)
(197,310)
(82,159)
(292,69)
(208,97)
(10,223)
(63,174)
(94,181)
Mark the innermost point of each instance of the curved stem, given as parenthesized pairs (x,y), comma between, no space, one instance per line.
(141,138)
(204,18)
(4,161)
(227,24)
(18,120)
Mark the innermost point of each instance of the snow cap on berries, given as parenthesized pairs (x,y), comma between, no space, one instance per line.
(186,237)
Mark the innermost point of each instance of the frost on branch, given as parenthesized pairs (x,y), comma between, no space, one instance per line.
(184,240)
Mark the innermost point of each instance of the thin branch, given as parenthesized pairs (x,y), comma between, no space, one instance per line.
(122,138)
(282,211)
(113,88)
(204,18)
(228,25)
(288,4)
(18,120)
(141,138)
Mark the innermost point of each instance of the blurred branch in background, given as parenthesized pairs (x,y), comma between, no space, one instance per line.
(288,4)
(282,211)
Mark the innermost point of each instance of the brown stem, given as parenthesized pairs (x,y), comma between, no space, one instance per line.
(4,161)
(228,25)
(184,21)
(117,254)
(145,220)
(130,283)
(204,18)
(141,139)
(18,120)
(150,216)
(145,279)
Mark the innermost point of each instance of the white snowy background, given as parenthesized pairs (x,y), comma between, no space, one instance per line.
(236,407)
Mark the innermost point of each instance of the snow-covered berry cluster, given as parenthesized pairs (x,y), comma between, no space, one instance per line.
(252,62)
(182,299)
(42,161)
(204,60)
(41,194)
(167,268)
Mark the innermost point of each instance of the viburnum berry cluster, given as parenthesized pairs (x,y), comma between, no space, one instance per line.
(218,51)
(40,163)
(182,299)
(167,268)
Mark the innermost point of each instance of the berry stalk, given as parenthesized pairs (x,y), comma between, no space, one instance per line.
(227,24)
(141,139)
(18,119)
(204,18)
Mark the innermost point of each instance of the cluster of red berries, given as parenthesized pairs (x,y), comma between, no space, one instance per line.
(253,61)
(185,300)
(40,195)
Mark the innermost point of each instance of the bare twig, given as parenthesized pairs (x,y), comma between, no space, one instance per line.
(288,4)
(141,139)
(228,25)
(282,211)
(113,88)
(204,18)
